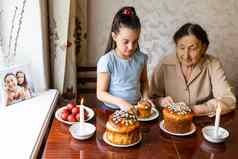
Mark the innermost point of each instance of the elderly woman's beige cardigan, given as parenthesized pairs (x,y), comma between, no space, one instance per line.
(207,83)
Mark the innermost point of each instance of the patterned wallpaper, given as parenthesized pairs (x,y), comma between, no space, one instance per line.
(160,19)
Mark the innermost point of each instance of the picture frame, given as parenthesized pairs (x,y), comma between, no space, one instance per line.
(15,84)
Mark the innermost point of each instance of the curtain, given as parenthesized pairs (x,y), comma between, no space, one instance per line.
(68,44)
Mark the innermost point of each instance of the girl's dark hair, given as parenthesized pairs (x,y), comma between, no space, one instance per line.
(191,29)
(8,74)
(24,84)
(125,17)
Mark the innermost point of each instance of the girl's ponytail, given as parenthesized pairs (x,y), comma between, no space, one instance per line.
(125,17)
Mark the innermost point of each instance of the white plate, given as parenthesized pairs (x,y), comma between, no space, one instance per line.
(60,111)
(117,145)
(193,129)
(154,115)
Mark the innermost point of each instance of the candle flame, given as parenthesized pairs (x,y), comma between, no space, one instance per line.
(81,101)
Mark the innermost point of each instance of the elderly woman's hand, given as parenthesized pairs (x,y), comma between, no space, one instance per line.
(165,101)
(200,110)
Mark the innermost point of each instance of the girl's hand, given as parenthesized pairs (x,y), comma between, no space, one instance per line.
(124,108)
(132,110)
(128,108)
(165,101)
(150,101)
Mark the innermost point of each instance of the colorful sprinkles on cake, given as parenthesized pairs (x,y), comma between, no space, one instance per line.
(179,108)
(123,117)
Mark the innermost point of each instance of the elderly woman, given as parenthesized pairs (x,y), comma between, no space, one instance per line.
(192,76)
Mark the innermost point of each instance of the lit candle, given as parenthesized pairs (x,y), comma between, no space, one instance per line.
(81,111)
(217,119)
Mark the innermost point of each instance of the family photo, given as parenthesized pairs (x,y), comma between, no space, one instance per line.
(16,85)
(125,79)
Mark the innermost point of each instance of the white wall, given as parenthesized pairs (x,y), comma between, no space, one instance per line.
(28,27)
(160,19)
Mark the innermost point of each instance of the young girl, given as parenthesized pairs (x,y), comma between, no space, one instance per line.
(22,82)
(121,72)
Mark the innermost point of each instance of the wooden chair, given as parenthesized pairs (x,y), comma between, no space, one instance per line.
(86,82)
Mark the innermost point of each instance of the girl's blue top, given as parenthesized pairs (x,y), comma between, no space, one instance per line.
(124,74)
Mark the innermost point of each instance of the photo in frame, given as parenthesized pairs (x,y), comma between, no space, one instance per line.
(15,84)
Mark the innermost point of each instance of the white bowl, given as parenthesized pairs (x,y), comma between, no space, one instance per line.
(209,131)
(82,131)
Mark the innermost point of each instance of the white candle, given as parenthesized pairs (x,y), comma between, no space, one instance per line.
(81,111)
(217,119)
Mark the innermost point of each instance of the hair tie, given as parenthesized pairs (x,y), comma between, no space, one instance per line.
(127,12)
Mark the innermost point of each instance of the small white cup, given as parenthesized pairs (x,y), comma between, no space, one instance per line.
(209,134)
(82,131)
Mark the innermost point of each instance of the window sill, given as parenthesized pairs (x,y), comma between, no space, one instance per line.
(23,125)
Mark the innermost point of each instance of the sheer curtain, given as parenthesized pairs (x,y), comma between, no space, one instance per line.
(68,43)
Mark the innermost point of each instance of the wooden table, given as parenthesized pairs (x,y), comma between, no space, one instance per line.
(155,142)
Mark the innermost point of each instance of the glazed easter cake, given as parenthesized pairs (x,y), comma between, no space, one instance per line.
(178,118)
(122,128)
